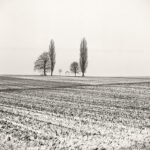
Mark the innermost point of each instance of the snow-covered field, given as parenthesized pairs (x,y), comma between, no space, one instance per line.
(66,113)
(88,80)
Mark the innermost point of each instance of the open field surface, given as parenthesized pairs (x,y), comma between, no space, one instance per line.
(66,113)
(88,80)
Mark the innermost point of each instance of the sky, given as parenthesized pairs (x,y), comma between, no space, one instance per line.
(117,34)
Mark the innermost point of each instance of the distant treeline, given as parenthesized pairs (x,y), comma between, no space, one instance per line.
(47,60)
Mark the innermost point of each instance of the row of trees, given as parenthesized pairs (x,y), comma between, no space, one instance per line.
(47,60)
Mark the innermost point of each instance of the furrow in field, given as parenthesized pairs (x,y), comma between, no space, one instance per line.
(105,131)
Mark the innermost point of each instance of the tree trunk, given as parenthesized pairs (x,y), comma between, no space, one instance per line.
(44,68)
(75,74)
(51,73)
(82,74)
(44,72)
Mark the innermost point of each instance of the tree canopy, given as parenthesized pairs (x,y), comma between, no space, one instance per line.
(42,64)
(74,67)
(83,56)
(52,56)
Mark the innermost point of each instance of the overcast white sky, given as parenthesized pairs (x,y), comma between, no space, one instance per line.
(117,32)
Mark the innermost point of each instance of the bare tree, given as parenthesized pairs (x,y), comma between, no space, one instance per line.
(83,56)
(60,71)
(42,64)
(74,67)
(52,56)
